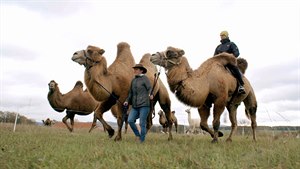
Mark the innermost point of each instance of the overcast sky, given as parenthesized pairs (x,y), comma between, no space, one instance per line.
(38,39)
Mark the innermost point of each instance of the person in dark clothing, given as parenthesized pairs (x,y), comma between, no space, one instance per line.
(230,47)
(139,97)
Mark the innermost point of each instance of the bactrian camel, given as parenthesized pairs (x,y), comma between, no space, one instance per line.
(209,84)
(47,122)
(163,120)
(77,101)
(110,85)
(162,95)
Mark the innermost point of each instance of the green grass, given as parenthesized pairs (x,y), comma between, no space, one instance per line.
(46,147)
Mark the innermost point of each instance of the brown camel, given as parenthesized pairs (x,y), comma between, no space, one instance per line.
(47,122)
(163,120)
(160,92)
(210,84)
(75,102)
(110,85)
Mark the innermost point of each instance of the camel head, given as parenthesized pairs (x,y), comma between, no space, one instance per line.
(89,57)
(160,113)
(52,85)
(47,122)
(188,110)
(167,59)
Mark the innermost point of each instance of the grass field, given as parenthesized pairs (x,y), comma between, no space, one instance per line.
(47,147)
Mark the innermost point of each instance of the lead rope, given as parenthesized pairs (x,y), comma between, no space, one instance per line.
(156,76)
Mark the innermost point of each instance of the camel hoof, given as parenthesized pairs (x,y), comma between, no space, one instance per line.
(111,133)
(220,134)
(92,128)
(229,140)
(118,138)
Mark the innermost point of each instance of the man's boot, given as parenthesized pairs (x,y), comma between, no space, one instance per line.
(241,90)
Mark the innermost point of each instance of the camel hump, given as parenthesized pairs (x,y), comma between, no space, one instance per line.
(145,60)
(242,64)
(78,84)
(226,58)
(122,45)
(124,53)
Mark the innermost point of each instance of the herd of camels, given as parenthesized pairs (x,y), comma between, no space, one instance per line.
(107,88)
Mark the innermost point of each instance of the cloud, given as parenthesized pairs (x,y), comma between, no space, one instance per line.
(277,82)
(15,52)
(50,9)
(38,39)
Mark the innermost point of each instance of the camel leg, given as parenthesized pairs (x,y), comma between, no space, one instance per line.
(64,120)
(194,131)
(204,113)
(94,123)
(219,107)
(126,126)
(165,128)
(252,112)
(72,121)
(232,116)
(167,109)
(104,106)
(120,123)
(106,127)
(149,121)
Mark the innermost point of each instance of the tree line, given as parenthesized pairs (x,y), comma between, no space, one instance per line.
(10,117)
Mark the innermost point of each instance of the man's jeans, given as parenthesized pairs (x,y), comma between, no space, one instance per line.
(142,113)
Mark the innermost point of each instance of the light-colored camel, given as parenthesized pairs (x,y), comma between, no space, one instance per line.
(77,101)
(194,123)
(210,84)
(110,85)
(47,122)
(163,120)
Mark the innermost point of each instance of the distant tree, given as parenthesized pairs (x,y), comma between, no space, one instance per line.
(9,117)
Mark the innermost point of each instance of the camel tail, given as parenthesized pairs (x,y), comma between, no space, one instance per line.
(250,112)
(250,105)
(242,64)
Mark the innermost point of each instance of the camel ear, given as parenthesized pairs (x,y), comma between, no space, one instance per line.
(181,52)
(101,51)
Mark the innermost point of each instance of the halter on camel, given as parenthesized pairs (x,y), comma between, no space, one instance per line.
(124,108)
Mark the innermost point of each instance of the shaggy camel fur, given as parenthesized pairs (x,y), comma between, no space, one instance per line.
(210,84)
(47,122)
(163,120)
(75,102)
(193,123)
(110,85)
